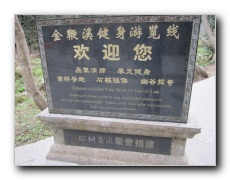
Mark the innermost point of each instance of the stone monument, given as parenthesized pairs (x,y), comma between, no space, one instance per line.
(118,88)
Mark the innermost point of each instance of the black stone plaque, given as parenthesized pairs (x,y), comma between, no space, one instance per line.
(144,144)
(135,67)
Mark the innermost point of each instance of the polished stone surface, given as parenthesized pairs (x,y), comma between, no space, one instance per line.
(144,73)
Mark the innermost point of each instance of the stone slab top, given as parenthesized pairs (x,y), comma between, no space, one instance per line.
(121,126)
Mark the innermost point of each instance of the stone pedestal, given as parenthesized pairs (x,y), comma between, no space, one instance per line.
(177,133)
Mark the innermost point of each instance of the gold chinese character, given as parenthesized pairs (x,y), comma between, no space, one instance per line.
(124,80)
(111,52)
(129,71)
(74,79)
(108,80)
(121,32)
(144,81)
(93,70)
(121,71)
(136,32)
(78,70)
(149,144)
(172,31)
(116,80)
(100,80)
(86,34)
(81,79)
(137,71)
(139,143)
(71,34)
(86,70)
(152,81)
(153,32)
(102,70)
(60,78)
(103,33)
(66,78)
(128,142)
(170,82)
(56,35)
(142,52)
(161,82)
(81,52)
(146,72)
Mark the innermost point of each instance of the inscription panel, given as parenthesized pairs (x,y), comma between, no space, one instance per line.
(138,67)
(144,144)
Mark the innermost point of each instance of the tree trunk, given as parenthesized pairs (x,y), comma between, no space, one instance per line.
(211,36)
(27,75)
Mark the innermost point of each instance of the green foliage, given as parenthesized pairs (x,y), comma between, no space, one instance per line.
(19,86)
(204,54)
(28,129)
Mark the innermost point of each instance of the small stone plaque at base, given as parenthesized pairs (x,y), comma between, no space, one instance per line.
(144,144)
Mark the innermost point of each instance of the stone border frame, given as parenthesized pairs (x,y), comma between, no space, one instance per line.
(124,19)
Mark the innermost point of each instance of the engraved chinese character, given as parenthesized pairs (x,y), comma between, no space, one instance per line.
(137,71)
(91,139)
(121,32)
(109,140)
(142,52)
(161,82)
(172,31)
(136,32)
(81,79)
(82,138)
(66,78)
(93,70)
(119,141)
(81,52)
(103,33)
(86,70)
(100,140)
(139,143)
(152,81)
(121,71)
(129,71)
(102,70)
(78,70)
(60,78)
(153,32)
(144,81)
(71,34)
(149,144)
(124,80)
(170,82)
(87,34)
(99,80)
(111,52)
(128,142)
(56,35)
(108,80)
(146,72)
(116,80)
(74,78)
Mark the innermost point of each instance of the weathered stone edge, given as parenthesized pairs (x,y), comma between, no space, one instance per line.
(116,125)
